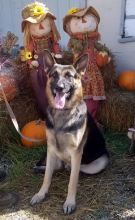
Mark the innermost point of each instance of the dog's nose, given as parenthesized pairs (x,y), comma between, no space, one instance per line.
(60,87)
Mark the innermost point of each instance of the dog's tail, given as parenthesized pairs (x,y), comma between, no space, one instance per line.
(95,166)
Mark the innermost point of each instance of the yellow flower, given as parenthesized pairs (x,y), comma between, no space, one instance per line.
(28,55)
(38,10)
(72,11)
(25,55)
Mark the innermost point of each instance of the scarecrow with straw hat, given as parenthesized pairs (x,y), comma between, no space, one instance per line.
(82,27)
(40,32)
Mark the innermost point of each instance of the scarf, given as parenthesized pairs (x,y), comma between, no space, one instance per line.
(41,43)
(82,41)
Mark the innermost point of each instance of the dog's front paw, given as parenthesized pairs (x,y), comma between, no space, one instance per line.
(37,198)
(69,207)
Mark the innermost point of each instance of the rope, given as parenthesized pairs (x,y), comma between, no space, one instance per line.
(14,120)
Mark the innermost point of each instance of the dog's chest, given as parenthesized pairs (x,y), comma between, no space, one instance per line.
(67,144)
(62,120)
(67,132)
(62,144)
(64,133)
(68,120)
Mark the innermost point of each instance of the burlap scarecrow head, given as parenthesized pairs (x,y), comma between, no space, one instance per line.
(79,13)
(35,13)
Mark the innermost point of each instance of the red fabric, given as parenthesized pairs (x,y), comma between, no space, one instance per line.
(56,48)
(92,107)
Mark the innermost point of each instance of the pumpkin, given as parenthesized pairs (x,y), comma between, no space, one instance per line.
(9,86)
(35,130)
(102,58)
(126,80)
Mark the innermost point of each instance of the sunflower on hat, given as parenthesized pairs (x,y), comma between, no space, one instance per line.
(79,13)
(37,9)
(72,11)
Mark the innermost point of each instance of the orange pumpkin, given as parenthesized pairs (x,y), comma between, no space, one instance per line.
(35,130)
(102,58)
(126,80)
(9,87)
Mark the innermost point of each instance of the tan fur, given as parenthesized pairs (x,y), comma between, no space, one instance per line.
(64,146)
(71,154)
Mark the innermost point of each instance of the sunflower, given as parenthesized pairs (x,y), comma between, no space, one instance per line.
(26,55)
(72,11)
(38,10)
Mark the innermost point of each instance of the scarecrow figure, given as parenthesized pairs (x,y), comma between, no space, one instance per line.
(82,27)
(40,33)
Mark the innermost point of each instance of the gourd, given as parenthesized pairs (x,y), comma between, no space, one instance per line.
(102,58)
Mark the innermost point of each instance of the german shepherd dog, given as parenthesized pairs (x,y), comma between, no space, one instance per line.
(72,134)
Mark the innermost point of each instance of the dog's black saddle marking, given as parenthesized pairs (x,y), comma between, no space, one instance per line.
(95,145)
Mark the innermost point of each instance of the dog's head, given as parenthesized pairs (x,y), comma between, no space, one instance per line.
(64,87)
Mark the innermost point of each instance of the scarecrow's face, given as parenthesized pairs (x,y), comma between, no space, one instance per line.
(83,24)
(40,29)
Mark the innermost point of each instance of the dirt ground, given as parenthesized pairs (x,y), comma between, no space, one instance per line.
(109,195)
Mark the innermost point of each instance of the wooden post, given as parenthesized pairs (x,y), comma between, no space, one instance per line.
(132,146)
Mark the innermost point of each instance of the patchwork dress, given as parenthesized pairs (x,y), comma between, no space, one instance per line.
(92,81)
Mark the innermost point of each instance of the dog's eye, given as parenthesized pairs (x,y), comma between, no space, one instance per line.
(69,75)
(55,74)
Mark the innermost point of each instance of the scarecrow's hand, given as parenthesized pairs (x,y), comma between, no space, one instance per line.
(58,56)
(34,63)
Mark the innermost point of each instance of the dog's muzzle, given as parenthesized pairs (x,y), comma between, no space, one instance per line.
(61,91)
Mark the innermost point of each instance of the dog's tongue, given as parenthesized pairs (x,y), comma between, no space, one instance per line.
(60,100)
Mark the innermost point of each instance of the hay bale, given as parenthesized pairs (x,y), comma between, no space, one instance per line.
(3,117)
(21,74)
(109,76)
(24,104)
(118,111)
(25,109)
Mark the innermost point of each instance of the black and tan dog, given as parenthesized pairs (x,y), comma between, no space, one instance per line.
(72,135)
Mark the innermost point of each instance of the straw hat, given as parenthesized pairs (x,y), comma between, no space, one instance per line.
(35,13)
(76,12)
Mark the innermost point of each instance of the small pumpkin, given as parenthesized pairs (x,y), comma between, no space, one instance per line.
(9,86)
(102,58)
(126,80)
(34,130)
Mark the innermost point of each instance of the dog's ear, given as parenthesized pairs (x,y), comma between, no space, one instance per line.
(81,64)
(48,61)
